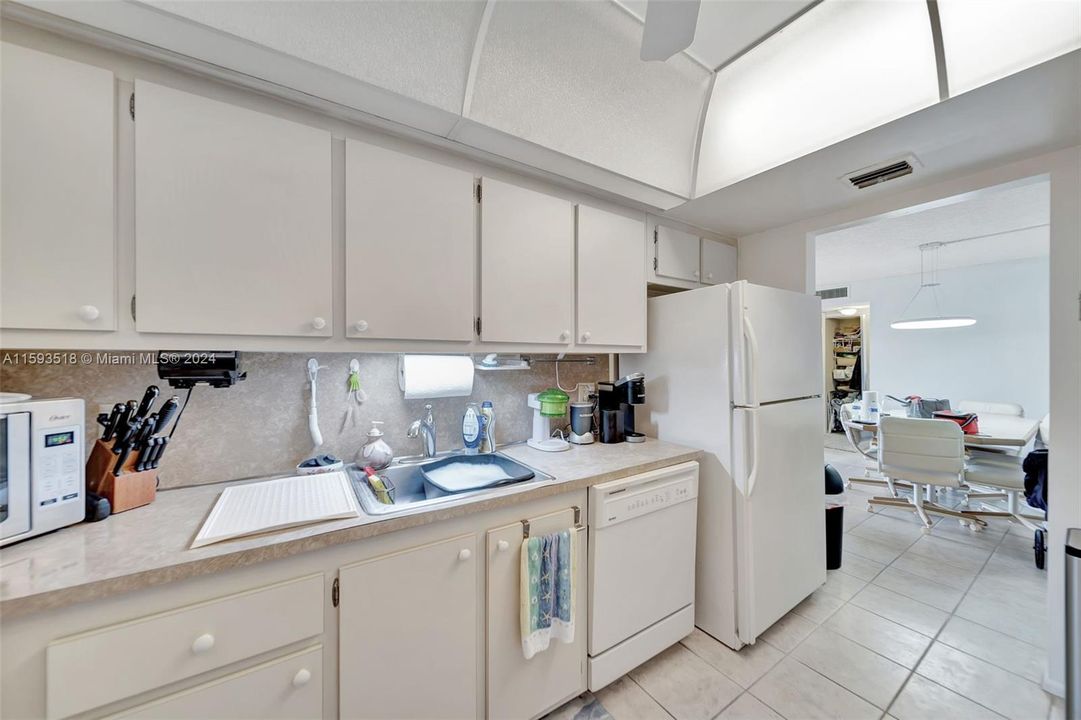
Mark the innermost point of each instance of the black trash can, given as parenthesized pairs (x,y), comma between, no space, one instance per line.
(835,517)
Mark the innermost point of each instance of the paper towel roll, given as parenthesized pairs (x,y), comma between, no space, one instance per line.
(435,376)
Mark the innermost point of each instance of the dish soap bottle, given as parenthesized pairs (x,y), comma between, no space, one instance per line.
(472,429)
(375,454)
(487,441)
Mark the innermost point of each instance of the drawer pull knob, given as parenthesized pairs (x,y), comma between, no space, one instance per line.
(464,554)
(360,325)
(202,644)
(565,335)
(503,545)
(318,323)
(302,677)
(586,336)
(89,313)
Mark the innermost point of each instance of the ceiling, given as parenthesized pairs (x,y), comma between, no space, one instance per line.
(726,28)
(1004,223)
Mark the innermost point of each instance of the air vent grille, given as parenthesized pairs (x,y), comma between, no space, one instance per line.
(869,178)
(831,293)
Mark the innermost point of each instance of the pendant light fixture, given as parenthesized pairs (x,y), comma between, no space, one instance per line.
(929,282)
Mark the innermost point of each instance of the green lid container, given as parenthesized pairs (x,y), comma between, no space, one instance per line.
(553,402)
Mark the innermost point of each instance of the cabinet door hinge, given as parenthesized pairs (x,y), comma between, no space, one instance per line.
(476,326)
(654,236)
(480,193)
(335,593)
(654,264)
(133,308)
(131,106)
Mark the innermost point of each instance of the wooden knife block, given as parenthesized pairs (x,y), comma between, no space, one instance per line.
(130,489)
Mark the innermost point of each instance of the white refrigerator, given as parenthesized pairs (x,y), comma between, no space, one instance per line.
(736,370)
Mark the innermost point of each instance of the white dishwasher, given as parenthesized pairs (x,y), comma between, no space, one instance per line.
(641,568)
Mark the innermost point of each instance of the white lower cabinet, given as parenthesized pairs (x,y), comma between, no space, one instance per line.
(520,688)
(287,688)
(408,639)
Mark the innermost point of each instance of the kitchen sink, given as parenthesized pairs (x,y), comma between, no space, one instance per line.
(408,481)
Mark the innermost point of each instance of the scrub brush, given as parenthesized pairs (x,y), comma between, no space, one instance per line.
(355,396)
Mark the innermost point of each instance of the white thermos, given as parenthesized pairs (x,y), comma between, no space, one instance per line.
(870,406)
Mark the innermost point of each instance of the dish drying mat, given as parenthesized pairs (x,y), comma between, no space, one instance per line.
(255,508)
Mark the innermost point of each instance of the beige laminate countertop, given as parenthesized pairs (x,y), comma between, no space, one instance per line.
(149,546)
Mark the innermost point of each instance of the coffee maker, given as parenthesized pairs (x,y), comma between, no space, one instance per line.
(615,405)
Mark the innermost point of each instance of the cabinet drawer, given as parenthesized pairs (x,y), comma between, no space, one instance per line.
(102,666)
(289,687)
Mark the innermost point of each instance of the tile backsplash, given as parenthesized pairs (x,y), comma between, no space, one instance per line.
(260,425)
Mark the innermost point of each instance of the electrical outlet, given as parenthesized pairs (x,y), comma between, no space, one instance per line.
(585,390)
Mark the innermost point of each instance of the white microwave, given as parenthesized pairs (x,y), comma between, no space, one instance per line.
(42,466)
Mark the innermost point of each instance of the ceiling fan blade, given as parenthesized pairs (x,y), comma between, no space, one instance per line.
(670,27)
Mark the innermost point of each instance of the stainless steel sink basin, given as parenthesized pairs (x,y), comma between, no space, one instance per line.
(405,475)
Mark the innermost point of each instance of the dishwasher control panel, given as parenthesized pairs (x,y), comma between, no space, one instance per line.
(623,500)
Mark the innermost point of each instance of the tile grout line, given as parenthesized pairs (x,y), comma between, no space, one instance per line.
(650,696)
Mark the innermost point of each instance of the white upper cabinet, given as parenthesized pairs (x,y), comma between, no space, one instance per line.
(611,279)
(527,266)
(410,247)
(677,254)
(718,262)
(232,219)
(57,260)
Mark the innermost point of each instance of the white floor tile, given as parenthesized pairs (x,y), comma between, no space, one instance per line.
(955,553)
(871,549)
(889,531)
(988,538)
(896,642)
(788,632)
(748,707)
(1008,653)
(796,691)
(818,606)
(743,667)
(937,570)
(852,666)
(993,687)
(841,584)
(900,609)
(923,699)
(625,700)
(1010,615)
(859,567)
(685,685)
(917,588)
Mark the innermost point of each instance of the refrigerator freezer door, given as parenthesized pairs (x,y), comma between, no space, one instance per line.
(780,516)
(777,345)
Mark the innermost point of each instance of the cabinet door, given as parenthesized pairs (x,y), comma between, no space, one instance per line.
(527,266)
(232,219)
(520,688)
(611,279)
(718,262)
(57,265)
(287,689)
(410,247)
(677,254)
(409,634)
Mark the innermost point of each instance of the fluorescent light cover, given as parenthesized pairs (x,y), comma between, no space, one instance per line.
(933,323)
(839,70)
(849,311)
(985,40)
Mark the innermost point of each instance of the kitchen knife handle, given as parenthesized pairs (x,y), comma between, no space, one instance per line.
(121,458)
(162,442)
(127,440)
(110,425)
(149,397)
(166,413)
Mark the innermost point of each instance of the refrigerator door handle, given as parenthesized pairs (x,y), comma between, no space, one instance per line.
(752,361)
(752,476)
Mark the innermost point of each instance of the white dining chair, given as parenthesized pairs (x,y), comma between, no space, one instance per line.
(994,408)
(866,445)
(1004,474)
(929,455)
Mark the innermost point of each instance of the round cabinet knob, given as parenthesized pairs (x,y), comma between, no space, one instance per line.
(360,325)
(709,276)
(503,545)
(302,677)
(319,323)
(565,335)
(696,273)
(586,336)
(89,313)
(202,644)
(465,554)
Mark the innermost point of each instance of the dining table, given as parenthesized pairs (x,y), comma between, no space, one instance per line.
(995,430)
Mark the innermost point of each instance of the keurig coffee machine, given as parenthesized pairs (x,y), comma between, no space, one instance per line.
(616,408)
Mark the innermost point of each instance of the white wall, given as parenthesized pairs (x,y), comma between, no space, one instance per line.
(786,259)
(1002,358)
